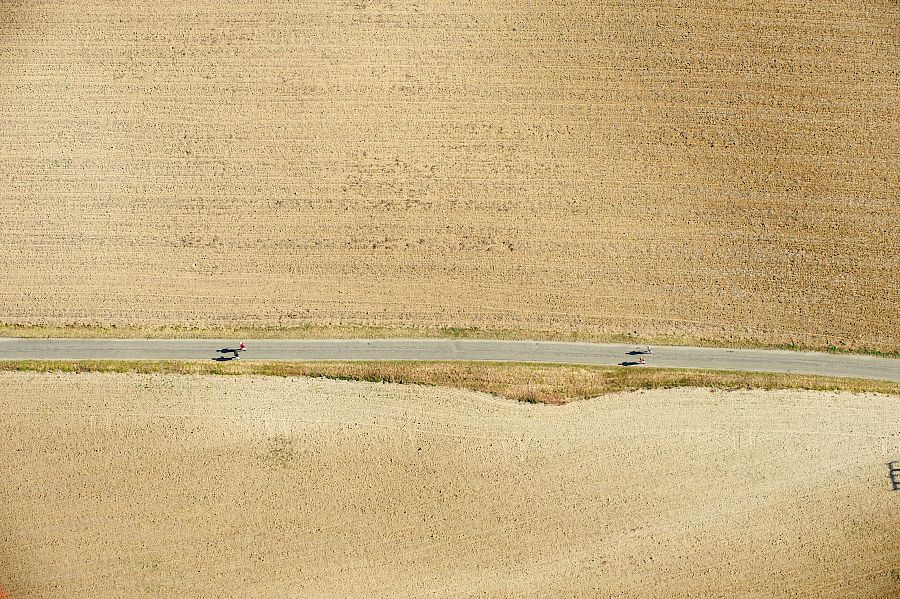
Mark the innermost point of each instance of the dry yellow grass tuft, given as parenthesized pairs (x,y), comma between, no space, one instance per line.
(550,383)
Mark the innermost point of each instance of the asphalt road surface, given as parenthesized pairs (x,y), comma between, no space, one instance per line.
(750,360)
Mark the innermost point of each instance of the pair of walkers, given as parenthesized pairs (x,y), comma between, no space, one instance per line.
(641,359)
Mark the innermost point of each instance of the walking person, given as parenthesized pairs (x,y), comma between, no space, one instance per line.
(641,360)
(242,347)
(649,349)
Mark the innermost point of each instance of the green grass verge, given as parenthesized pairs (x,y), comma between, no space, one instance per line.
(544,383)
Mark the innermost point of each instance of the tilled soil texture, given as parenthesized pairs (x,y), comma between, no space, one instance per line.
(717,170)
(197,486)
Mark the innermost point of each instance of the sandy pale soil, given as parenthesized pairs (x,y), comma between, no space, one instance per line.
(717,169)
(190,486)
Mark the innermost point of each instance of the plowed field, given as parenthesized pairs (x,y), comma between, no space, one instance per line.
(192,486)
(719,170)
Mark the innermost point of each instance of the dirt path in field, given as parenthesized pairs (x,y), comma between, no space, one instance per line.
(147,486)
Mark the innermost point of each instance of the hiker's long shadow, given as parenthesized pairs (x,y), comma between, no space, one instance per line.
(228,354)
(630,364)
(638,352)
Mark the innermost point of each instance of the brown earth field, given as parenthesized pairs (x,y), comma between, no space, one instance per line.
(201,486)
(712,170)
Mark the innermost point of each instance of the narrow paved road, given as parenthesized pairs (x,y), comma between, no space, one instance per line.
(751,360)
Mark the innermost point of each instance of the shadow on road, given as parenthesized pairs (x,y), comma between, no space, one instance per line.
(228,354)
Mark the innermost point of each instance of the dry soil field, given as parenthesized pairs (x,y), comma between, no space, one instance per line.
(189,486)
(720,170)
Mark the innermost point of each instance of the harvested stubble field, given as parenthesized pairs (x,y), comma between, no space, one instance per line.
(184,485)
(710,170)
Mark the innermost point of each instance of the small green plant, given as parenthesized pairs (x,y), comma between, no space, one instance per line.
(281,454)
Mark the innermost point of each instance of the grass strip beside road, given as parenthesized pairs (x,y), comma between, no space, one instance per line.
(86,331)
(536,383)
